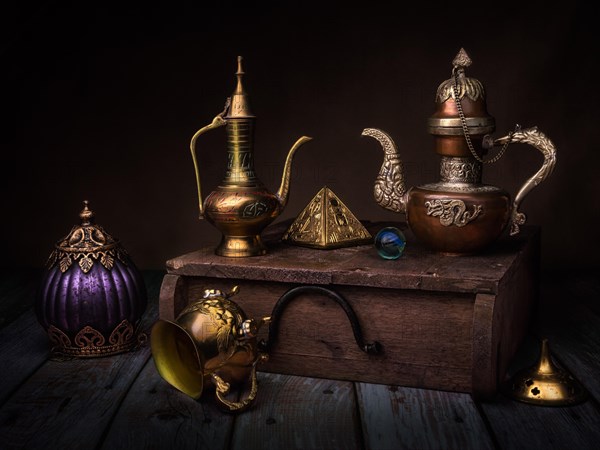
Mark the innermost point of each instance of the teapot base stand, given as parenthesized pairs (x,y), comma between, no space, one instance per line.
(241,246)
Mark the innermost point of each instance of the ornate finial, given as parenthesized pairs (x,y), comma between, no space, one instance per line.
(239,107)
(470,87)
(86,214)
(240,72)
(461,60)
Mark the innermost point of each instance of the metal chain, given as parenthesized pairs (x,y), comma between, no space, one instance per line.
(465,127)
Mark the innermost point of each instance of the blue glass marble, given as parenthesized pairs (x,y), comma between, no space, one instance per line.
(390,243)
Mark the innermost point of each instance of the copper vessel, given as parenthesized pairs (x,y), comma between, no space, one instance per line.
(459,214)
(211,343)
(241,207)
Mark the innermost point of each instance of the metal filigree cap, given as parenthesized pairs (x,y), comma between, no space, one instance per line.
(470,94)
(470,87)
(239,107)
(86,243)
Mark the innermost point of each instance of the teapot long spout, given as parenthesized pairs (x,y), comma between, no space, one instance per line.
(284,189)
(389,190)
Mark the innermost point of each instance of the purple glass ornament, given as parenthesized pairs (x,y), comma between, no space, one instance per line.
(92,296)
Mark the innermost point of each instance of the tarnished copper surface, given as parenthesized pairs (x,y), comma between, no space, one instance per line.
(454,237)
(459,214)
(456,146)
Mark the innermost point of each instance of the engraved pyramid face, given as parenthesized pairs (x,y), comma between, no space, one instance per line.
(327,223)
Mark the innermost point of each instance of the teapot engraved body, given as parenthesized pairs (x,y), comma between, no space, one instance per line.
(241,206)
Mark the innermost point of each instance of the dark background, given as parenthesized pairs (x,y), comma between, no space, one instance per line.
(100,100)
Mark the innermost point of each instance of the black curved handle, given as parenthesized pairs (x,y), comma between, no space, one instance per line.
(373,348)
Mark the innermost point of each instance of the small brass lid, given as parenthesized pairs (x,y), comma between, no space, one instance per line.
(545,384)
(239,108)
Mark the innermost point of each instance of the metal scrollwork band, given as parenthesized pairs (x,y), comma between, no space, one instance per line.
(460,170)
(91,342)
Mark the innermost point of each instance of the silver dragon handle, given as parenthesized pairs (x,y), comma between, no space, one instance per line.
(540,141)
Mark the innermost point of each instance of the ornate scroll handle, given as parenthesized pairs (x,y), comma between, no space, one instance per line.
(217,122)
(389,189)
(222,389)
(540,141)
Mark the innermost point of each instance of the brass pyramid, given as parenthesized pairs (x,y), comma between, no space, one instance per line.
(326,223)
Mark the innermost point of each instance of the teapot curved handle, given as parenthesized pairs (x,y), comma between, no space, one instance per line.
(217,122)
(222,389)
(541,142)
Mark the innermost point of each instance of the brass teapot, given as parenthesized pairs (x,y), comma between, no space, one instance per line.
(459,214)
(211,343)
(241,207)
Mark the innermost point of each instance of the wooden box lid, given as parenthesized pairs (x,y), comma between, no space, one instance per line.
(417,268)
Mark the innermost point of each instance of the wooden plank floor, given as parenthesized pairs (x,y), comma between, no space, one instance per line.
(121,401)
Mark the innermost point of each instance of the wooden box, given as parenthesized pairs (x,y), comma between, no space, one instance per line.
(445,322)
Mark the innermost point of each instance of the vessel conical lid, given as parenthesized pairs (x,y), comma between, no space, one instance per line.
(239,107)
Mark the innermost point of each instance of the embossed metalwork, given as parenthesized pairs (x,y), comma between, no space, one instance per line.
(452,211)
(461,60)
(539,141)
(459,170)
(211,341)
(91,342)
(389,189)
(326,223)
(460,126)
(460,187)
(465,86)
(85,244)
(241,207)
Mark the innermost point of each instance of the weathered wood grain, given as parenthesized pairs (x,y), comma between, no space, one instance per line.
(66,403)
(156,415)
(416,269)
(17,293)
(397,418)
(299,413)
(521,426)
(574,338)
(173,296)
(426,337)
(572,330)
(24,347)
(69,403)
(422,308)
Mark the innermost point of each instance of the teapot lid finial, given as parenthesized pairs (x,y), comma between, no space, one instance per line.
(461,60)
